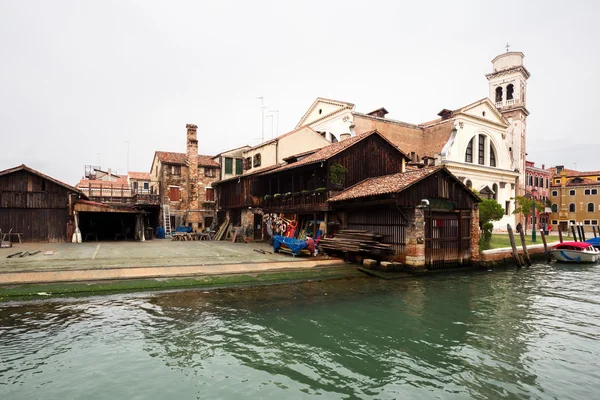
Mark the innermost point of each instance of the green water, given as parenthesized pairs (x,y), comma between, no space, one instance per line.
(511,334)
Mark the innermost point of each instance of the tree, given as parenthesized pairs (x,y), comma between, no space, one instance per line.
(489,210)
(524,205)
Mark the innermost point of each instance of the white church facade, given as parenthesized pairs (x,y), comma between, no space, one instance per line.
(483,143)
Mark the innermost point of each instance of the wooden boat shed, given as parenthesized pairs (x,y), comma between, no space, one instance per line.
(428,215)
(35,205)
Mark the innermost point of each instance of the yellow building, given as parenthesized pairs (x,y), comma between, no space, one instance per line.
(575,198)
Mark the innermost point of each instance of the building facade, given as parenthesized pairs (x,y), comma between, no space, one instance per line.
(183,182)
(537,186)
(575,198)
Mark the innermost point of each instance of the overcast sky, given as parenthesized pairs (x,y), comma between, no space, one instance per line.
(80,78)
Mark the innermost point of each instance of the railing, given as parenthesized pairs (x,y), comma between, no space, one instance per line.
(507,103)
(146,198)
(301,200)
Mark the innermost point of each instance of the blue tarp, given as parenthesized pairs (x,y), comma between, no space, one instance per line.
(184,229)
(160,232)
(293,244)
(594,241)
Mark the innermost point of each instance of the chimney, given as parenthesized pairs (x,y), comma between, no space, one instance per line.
(110,174)
(379,113)
(344,136)
(543,166)
(193,215)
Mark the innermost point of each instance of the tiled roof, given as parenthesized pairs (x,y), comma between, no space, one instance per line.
(33,171)
(143,176)
(180,158)
(333,149)
(384,184)
(574,173)
(394,183)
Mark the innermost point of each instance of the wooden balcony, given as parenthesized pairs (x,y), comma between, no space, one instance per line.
(314,200)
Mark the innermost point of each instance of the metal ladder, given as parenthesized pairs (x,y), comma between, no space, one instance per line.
(167,218)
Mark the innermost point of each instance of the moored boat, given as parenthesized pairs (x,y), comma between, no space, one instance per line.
(594,242)
(575,252)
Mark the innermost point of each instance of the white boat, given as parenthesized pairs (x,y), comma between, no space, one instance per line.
(575,252)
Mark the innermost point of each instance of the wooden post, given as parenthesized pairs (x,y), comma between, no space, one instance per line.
(579,228)
(543,235)
(573,230)
(560,234)
(582,232)
(525,252)
(511,237)
(594,230)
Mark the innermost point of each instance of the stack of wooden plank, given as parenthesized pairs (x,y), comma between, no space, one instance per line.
(356,241)
(221,230)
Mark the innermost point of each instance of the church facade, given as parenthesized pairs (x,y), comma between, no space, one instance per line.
(482,143)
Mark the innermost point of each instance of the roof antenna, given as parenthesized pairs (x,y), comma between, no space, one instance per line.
(507,47)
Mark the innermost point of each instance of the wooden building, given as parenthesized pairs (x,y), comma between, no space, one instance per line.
(300,188)
(429,216)
(35,205)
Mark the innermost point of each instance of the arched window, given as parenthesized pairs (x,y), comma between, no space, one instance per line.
(495,189)
(546,183)
(481,153)
(510,89)
(572,207)
(537,181)
(554,207)
(499,94)
(590,207)
(469,184)
(469,152)
(492,156)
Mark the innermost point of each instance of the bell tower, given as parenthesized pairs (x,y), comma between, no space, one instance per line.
(508,89)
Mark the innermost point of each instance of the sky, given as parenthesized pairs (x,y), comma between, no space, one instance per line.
(110,82)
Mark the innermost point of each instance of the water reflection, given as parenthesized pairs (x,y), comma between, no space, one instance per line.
(510,334)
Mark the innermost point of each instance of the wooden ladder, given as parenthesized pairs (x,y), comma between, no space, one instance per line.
(167,218)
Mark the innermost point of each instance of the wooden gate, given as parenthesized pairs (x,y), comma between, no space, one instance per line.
(386,221)
(447,239)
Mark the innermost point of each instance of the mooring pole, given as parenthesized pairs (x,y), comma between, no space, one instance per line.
(573,230)
(594,230)
(511,237)
(582,232)
(525,252)
(543,235)
(560,234)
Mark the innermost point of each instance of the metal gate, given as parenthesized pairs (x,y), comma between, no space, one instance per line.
(447,239)
(386,221)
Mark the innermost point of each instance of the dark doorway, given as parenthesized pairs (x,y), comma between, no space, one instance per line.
(257,227)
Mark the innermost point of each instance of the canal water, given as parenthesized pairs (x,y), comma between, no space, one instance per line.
(526,334)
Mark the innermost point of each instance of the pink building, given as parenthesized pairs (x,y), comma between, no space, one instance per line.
(537,185)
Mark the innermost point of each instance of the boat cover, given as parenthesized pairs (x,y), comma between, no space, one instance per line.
(579,245)
(594,241)
(295,245)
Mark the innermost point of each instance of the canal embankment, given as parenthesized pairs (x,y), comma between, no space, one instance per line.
(67,268)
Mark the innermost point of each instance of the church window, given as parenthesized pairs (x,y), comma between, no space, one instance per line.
(469,152)
(481,149)
(572,207)
(499,94)
(510,89)
(483,113)
(492,156)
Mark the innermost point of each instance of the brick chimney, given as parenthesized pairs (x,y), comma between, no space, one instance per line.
(192,206)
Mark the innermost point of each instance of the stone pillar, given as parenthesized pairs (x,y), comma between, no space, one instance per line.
(193,215)
(475,256)
(415,237)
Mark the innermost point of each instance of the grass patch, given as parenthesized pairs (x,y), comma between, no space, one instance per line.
(500,240)
(31,291)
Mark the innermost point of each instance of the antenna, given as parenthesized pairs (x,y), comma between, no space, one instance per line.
(271,116)
(507,47)
(262,120)
(276,112)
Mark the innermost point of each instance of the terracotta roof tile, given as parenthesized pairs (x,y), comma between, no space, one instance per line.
(144,176)
(385,184)
(180,158)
